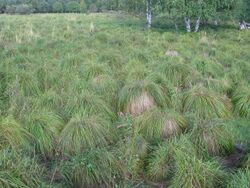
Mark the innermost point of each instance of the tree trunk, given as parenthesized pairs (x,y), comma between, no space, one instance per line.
(188,24)
(216,22)
(149,13)
(244,25)
(197,25)
(176,27)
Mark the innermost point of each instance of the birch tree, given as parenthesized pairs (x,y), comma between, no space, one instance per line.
(149,13)
(193,11)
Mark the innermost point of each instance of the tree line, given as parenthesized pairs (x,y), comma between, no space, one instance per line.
(191,12)
(50,6)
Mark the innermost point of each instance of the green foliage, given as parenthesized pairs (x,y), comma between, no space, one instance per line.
(44,126)
(120,106)
(140,96)
(241,101)
(72,6)
(94,168)
(205,103)
(19,171)
(131,152)
(156,124)
(19,9)
(190,172)
(89,102)
(241,179)
(57,7)
(160,165)
(242,10)
(83,6)
(86,132)
(12,134)
(212,138)
(179,74)
(240,128)
(43,6)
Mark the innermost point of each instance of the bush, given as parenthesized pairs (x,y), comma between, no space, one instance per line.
(23,9)
(10,9)
(72,6)
(93,8)
(83,7)
(2,6)
(57,7)
(43,6)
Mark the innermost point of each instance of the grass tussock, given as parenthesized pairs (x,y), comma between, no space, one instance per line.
(212,138)
(156,124)
(86,132)
(121,106)
(140,96)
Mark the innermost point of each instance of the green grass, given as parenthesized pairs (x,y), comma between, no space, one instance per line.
(121,106)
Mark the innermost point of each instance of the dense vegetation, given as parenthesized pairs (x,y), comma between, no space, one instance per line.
(193,10)
(192,13)
(96,100)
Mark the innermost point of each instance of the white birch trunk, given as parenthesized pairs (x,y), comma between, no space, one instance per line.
(188,24)
(197,25)
(244,25)
(149,14)
(176,27)
(215,22)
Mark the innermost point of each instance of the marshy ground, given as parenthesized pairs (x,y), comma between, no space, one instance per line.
(99,101)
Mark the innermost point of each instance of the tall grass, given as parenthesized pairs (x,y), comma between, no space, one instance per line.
(19,170)
(122,106)
(156,124)
(86,132)
(12,134)
(94,168)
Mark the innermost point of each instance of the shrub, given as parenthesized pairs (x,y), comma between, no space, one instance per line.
(43,6)
(10,9)
(83,7)
(72,6)
(23,9)
(57,7)
(93,8)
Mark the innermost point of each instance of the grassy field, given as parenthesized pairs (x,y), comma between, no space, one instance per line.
(98,101)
